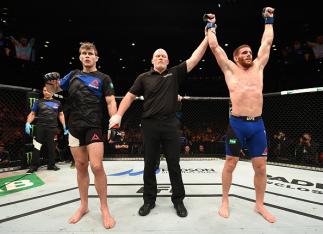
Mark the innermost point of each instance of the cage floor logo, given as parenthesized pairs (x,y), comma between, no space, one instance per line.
(19,183)
(131,172)
(295,184)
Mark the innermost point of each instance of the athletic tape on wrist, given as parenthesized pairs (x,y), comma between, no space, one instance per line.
(269,20)
(210,25)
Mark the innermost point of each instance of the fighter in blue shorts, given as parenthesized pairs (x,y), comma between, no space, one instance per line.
(246,133)
(244,78)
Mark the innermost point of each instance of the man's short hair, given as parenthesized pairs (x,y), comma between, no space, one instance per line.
(88,46)
(236,51)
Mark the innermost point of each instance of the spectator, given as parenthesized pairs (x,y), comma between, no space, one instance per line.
(5,50)
(24,48)
(299,53)
(122,147)
(4,47)
(306,152)
(201,149)
(317,47)
(187,151)
(280,147)
(4,156)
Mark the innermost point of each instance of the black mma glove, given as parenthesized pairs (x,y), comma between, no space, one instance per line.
(114,135)
(51,76)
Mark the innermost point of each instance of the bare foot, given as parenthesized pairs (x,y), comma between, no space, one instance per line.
(78,215)
(108,220)
(268,216)
(224,209)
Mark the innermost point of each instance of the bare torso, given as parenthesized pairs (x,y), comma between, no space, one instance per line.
(245,87)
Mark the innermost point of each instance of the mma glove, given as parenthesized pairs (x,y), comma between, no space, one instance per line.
(209,25)
(115,121)
(113,132)
(66,132)
(28,128)
(266,15)
(114,135)
(51,76)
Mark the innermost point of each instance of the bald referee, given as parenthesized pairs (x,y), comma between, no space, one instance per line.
(159,86)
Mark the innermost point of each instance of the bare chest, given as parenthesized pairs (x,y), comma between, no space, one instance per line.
(245,82)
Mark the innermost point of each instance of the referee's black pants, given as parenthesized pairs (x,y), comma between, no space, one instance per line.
(163,132)
(44,138)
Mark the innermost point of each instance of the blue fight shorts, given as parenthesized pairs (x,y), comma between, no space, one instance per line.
(246,133)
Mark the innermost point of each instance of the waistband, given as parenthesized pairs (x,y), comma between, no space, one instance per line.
(247,118)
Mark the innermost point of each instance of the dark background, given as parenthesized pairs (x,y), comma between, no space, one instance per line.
(176,26)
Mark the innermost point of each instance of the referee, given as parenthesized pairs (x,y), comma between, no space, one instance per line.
(159,87)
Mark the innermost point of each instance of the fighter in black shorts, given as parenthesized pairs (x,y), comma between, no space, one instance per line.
(87,90)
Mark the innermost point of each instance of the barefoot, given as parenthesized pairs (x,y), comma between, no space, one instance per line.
(108,220)
(224,210)
(78,215)
(268,216)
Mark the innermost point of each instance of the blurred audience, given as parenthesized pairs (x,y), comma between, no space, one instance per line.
(24,48)
(280,147)
(4,156)
(122,146)
(306,151)
(187,151)
(317,47)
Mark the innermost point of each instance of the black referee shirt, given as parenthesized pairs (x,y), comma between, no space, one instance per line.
(47,112)
(159,90)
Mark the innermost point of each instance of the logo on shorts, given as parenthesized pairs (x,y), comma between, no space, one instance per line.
(95,137)
(94,84)
(232,141)
(265,153)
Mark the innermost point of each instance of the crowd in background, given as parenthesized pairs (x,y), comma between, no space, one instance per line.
(292,65)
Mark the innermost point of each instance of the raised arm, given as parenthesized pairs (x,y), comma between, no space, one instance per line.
(220,55)
(14,41)
(197,55)
(267,37)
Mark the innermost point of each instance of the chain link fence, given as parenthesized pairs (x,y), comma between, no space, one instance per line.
(14,105)
(294,126)
(293,123)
